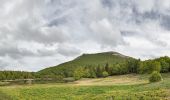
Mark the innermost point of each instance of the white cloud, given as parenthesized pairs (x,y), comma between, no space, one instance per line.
(105,33)
(144,5)
(39,33)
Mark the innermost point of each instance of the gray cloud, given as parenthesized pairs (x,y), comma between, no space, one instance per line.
(66,50)
(105,33)
(32,31)
(165,22)
(3,64)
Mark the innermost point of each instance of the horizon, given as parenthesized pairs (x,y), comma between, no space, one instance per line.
(87,54)
(37,34)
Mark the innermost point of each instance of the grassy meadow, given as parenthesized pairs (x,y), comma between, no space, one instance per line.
(122,87)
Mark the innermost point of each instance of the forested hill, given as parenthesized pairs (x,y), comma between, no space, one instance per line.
(95,65)
(86,60)
(106,64)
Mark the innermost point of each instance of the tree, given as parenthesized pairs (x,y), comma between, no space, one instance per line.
(164,66)
(92,73)
(86,72)
(78,73)
(123,68)
(105,74)
(155,66)
(132,65)
(2,76)
(99,71)
(107,67)
(110,70)
(116,69)
(155,77)
(140,69)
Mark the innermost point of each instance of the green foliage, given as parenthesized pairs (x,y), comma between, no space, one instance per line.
(154,66)
(105,59)
(99,71)
(87,73)
(149,66)
(79,73)
(92,72)
(92,66)
(164,66)
(115,69)
(155,77)
(141,68)
(133,65)
(154,91)
(107,67)
(111,62)
(105,74)
(11,75)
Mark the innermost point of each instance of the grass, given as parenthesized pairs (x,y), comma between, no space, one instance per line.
(122,87)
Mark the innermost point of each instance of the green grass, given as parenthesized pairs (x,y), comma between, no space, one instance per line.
(141,90)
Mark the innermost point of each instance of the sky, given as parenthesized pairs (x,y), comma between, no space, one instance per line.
(35,34)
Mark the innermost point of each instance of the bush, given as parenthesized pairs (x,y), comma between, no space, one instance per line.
(155,77)
(105,74)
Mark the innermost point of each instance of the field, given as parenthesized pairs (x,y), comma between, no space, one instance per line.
(122,87)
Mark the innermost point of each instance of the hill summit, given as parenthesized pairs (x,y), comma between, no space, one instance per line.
(92,60)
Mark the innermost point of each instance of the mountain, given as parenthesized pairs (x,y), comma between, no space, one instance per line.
(92,60)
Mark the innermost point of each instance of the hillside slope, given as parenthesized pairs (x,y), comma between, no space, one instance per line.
(93,60)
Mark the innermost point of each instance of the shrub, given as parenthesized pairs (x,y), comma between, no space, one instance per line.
(105,74)
(155,77)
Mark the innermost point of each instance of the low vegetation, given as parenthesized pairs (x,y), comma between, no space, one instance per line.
(155,77)
(102,76)
(121,87)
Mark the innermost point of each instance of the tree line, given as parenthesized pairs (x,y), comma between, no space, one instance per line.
(161,64)
(137,66)
(11,75)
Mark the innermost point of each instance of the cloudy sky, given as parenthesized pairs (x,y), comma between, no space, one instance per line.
(35,34)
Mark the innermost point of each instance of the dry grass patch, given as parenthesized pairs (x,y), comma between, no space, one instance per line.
(113,80)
